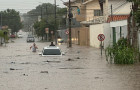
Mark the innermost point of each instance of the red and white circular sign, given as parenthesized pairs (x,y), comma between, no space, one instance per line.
(67,32)
(51,32)
(101,37)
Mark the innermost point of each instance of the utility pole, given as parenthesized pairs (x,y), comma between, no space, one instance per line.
(41,12)
(1,26)
(70,17)
(1,19)
(47,35)
(55,24)
(111,13)
(47,13)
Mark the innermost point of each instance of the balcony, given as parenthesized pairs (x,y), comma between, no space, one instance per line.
(95,20)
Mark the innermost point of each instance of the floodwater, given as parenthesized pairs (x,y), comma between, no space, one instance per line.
(81,68)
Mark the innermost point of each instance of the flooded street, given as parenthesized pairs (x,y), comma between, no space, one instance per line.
(81,68)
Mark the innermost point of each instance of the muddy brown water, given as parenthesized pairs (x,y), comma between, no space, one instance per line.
(81,68)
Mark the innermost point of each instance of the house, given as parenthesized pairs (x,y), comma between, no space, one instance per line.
(90,11)
(108,17)
(116,14)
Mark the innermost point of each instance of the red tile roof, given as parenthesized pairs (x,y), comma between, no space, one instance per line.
(117,18)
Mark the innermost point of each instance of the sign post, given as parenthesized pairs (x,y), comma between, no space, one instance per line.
(101,38)
(47,31)
(52,35)
(5,33)
(67,33)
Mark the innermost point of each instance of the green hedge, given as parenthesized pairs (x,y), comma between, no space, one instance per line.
(121,53)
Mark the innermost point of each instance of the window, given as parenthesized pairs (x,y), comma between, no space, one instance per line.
(51,52)
(98,13)
(120,32)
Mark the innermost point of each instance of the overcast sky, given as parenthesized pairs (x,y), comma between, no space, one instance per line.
(26,5)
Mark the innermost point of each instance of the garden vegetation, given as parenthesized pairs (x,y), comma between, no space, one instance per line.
(121,53)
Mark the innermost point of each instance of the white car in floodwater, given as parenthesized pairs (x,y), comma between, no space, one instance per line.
(20,35)
(51,51)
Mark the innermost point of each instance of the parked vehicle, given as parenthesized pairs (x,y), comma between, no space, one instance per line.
(51,51)
(60,40)
(12,36)
(20,35)
(30,39)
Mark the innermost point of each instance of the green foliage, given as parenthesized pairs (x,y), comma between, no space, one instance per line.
(47,11)
(11,18)
(40,28)
(137,17)
(135,1)
(61,14)
(121,53)
(136,10)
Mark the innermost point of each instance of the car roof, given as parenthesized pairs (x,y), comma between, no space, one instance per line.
(30,37)
(51,47)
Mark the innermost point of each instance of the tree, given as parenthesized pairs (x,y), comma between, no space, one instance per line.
(40,27)
(11,18)
(136,9)
(46,11)
(61,14)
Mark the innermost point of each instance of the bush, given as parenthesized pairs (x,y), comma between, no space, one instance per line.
(121,53)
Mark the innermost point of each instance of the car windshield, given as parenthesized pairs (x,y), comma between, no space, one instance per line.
(51,52)
(30,37)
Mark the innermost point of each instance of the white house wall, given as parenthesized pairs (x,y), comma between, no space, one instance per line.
(119,7)
(124,31)
(117,25)
(97,29)
(107,33)
(90,7)
(106,29)
(124,10)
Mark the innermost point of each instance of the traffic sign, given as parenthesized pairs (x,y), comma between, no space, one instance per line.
(47,30)
(51,32)
(101,37)
(67,32)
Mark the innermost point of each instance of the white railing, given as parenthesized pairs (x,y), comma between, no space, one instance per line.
(95,20)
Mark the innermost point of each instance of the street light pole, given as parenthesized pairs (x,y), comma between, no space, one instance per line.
(70,16)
